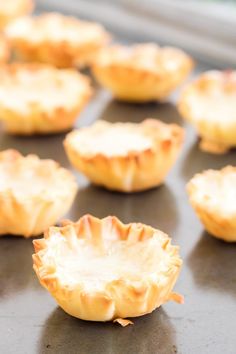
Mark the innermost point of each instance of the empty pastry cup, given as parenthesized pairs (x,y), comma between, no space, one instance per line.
(103,270)
(126,157)
(41,99)
(53,38)
(209,104)
(141,73)
(212,195)
(34,193)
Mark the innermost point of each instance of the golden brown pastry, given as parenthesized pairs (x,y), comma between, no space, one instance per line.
(59,40)
(126,157)
(34,193)
(4,50)
(209,103)
(41,99)
(103,270)
(11,9)
(141,73)
(212,195)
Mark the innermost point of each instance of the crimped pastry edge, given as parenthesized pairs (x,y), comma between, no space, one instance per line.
(62,54)
(120,298)
(139,84)
(135,171)
(215,223)
(215,138)
(39,120)
(31,215)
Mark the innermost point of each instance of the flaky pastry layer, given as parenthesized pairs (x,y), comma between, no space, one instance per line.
(102,270)
(53,38)
(141,73)
(209,103)
(126,157)
(34,193)
(212,195)
(11,9)
(4,49)
(41,99)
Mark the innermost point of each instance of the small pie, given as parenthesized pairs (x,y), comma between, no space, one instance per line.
(141,73)
(209,103)
(212,195)
(11,9)
(103,270)
(34,193)
(59,40)
(41,99)
(126,157)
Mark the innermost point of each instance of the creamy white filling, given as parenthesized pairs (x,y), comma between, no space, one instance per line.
(28,181)
(25,184)
(54,28)
(216,106)
(112,141)
(94,266)
(41,89)
(145,56)
(11,7)
(217,192)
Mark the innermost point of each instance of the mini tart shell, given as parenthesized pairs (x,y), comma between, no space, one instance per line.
(61,53)
(217,137)
(37,119)
(31,215)
(140,83)
(218,225)
(23,7)
(119,298)
(134,171)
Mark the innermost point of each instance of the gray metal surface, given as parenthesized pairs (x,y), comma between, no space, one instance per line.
(31,322)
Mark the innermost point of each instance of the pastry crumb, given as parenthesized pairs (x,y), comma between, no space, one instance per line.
(123,322)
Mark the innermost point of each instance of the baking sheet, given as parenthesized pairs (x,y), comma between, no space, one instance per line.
(31,322)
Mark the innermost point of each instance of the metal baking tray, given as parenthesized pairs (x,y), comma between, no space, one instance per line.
(31,322)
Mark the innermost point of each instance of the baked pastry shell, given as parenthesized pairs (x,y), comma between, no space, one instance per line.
(133,83)
(119,298)
(4,50)
(135,171)
(60,53)
(24,7)
(216,137)
(217,224)
(31,215)
(37,119)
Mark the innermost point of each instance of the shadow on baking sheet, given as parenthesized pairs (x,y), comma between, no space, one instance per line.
(156,207)
(116,111)
(16,271)
(213,264)
(150,334)
(197,161)
(47,146)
